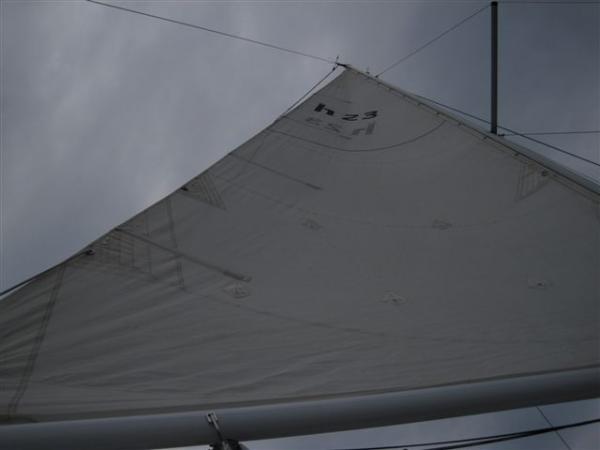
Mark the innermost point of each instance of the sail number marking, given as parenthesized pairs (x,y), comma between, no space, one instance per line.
(321,107)
(338,127)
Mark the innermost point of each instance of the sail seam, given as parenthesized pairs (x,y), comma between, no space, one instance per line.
(223,271)
(148,247)
(174,242)
(363,150)
(277,172)
(367,222)
(37,343)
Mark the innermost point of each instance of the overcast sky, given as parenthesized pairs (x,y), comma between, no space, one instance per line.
(105,112)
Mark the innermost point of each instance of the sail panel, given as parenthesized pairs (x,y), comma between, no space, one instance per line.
(361,243)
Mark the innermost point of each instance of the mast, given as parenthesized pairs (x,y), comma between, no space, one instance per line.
(494,69)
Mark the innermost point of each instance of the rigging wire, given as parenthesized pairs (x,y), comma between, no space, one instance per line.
(221,33)
(544,133)
(297,102)
(481,440)
(514,133)
(530,2)
(428,43)
(550,423)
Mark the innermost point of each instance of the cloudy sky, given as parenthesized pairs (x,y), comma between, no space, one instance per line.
(105,112)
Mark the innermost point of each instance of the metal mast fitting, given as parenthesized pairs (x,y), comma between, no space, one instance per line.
(222,443)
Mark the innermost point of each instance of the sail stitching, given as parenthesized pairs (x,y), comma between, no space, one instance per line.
(364,150)
(177,261)
(37,343)
(148,247)
(363,162)
(318,128)
(531,179)
(459,226)
(203,188)
(223,271)
(254,153)
(277,172)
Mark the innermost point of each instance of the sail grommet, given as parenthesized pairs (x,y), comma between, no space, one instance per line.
(222,443)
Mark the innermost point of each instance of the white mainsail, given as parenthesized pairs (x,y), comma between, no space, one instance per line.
(364,243)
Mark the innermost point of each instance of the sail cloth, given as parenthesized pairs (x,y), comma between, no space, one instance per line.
(361,243)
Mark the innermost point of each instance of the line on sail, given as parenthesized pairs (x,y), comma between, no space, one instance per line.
(371,161)
(174,240)
(148,248)
(253,153)
(369,332)
(314,127)
(368,222)
(373,332)
(362,150)
(37,343)
(177,252)
(277,172)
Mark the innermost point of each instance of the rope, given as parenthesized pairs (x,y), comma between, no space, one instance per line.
(210,30)
(428,43)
